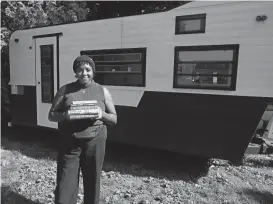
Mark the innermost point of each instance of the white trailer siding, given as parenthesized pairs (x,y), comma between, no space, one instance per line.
(235,23)
(22,59)
(99,34)
(226,23)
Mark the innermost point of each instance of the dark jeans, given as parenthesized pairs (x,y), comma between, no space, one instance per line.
(87,154)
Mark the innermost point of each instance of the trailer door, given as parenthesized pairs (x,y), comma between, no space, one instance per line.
(46,78)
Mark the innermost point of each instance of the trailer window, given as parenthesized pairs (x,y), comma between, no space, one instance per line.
(47,70)
(206,67)
(190,24)
(119,67)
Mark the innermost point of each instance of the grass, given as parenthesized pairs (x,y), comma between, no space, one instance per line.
(143,176)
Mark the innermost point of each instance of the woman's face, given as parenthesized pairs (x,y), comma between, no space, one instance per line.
(84,73)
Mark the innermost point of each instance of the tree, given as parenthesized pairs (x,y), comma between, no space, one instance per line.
(17,15)
(111,9)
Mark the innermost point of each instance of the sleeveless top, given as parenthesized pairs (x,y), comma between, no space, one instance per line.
(83,128)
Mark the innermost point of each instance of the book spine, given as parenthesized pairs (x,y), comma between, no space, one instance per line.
(71,117)
(87,111)
(83,107)
(84,102)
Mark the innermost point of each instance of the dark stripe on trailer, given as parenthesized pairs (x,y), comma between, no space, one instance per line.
(197,124)
(23,107)
(47,35)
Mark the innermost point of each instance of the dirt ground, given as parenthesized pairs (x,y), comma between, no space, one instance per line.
(133,175)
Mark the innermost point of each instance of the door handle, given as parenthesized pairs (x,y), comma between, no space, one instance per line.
(39,82)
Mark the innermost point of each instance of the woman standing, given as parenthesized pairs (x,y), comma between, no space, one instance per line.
(82,141)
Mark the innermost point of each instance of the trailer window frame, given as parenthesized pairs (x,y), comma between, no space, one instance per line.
(233,62)
(201,17)
(120,64)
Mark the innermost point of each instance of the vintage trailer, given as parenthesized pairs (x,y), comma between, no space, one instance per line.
(195,80)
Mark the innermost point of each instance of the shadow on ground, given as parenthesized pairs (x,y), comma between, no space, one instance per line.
(32,142)
(8,197)
(262,197)
(256,162)
(140,161)
(123,158)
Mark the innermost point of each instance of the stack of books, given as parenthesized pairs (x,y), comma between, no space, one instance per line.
(83,110)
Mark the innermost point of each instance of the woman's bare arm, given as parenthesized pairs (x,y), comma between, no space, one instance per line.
(54,115)
(110,115)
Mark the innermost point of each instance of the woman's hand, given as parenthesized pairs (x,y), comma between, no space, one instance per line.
(65,115)
(99,117)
